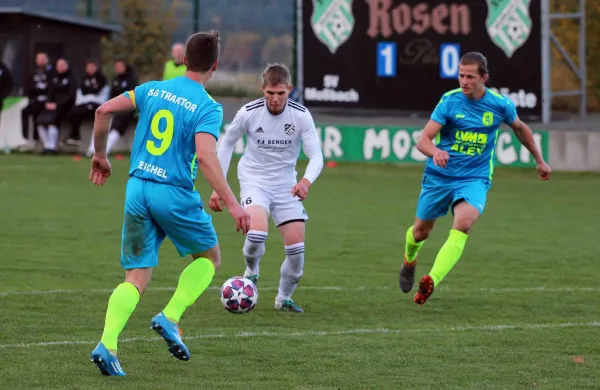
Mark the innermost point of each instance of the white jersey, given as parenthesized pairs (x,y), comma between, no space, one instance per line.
(272,144)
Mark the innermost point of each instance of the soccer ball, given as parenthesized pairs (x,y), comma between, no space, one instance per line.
(239,295)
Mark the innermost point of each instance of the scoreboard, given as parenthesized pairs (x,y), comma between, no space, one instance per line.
(403,55)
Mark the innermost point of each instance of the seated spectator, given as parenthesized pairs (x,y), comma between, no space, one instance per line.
(92,93)
(62,92)
(36,91)
(124,80)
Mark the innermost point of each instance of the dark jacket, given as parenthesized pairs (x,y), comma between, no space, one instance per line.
(6,81)
(37,88)
(92,85)
(63,89)
(123,82)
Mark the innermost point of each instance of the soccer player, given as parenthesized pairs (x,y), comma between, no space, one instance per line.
(274,126)
(176,134)
(458,171)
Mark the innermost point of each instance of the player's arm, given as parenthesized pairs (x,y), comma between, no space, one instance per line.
(104,114)
(209,165)
(425,144)
(234,132)
(525,136)
(312,150)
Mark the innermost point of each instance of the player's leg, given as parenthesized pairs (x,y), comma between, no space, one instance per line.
(181,215)
(468,202)
(118,127)
(433,203)
(257,203)
(290,218)
(141,239)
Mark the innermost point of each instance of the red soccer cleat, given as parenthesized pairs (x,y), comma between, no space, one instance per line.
(425,290)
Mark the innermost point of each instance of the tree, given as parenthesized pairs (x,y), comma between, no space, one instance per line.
(567,33)
(148,27)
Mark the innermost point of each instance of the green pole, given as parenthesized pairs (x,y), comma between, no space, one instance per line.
(89,8)
(196,16)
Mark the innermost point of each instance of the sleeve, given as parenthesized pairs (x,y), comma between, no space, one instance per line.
(234,132)
(138,94)
(211,121)
(440,113)
(312,148)
(510,111)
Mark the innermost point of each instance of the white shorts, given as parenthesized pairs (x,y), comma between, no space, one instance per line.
(278,201)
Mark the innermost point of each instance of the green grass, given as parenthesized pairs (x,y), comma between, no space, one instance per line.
(486,327)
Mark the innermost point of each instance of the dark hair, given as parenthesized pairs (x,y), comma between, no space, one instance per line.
(476,58)
(202,50)
(275,74)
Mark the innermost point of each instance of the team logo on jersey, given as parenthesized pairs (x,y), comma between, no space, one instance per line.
(332,22)
(488,118)
(289,129)
(508,24)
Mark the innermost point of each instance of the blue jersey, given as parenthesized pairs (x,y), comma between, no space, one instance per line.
(469,133)
(172,112)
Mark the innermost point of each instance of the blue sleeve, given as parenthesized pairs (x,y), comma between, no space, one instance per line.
(138,95)
(440,113)
(510,113)
(211,120)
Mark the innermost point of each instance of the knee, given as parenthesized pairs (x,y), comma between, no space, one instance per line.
(254,245)
(213,254)
(462,225)
(421,232)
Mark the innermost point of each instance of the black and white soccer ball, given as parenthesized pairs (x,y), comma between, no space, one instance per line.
(239,295)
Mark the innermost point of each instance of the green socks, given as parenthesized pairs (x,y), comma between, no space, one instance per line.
(448,255)
(121,304)
(412,247)
(194,279)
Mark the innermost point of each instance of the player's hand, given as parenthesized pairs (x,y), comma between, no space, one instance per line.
(301,189)
(543,170)
(440,158)
(242,218)
(100,171)
(215,203)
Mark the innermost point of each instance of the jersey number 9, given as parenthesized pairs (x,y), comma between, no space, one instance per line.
(163,137)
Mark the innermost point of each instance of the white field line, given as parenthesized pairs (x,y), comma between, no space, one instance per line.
(327,288)
(454,329)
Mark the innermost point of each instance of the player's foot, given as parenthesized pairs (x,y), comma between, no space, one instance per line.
(170,332)
(288,305)
(107,363)
(253,278)
(425,290)
(407,275)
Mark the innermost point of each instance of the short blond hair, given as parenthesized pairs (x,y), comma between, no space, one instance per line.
(275,74)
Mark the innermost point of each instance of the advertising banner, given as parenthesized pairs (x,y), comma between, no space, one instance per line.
(399,145)
(403,55)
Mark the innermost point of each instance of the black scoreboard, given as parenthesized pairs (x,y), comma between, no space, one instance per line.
(404,55)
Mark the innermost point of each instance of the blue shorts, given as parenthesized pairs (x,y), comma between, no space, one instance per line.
(154,211)
(438,195)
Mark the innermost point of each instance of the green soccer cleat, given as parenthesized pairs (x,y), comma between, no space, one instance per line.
(253,278)
(288,305)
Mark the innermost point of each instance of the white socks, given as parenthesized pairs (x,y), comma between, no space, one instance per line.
(113,137)
(291,271)
(43,133)
(254,249)
(48,136)
(52,137)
